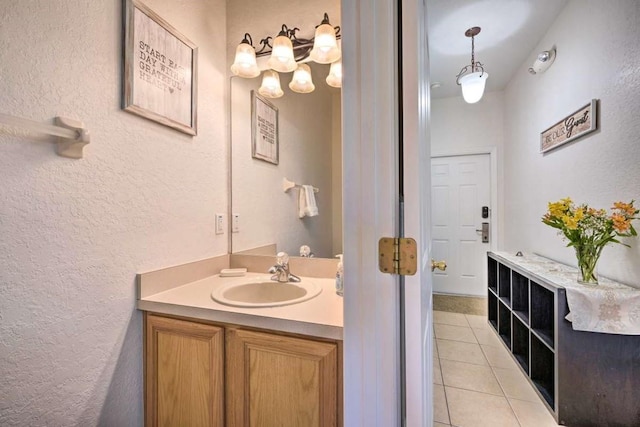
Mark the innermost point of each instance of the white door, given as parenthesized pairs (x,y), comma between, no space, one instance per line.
(373,385)
(461,197)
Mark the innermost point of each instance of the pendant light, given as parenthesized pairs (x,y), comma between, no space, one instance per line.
(325,46)
(245,64)
(472,78)
(302,82)
(270,87)
(282,53)
(334,79)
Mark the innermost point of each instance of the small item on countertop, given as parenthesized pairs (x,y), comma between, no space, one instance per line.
(233,272)
(339,276)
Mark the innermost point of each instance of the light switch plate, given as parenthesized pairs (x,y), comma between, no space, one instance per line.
(219,223)
(235,224)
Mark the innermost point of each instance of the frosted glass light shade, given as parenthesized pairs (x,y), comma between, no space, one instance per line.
(325,46)
(302,82)
(473,86)
(270,87)
(334,78)
(282,55)
(245,64)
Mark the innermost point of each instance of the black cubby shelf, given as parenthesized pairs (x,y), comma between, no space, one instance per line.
(584,378)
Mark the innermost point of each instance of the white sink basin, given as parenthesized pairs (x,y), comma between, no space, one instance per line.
(263,292)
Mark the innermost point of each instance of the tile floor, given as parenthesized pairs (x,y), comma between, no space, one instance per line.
(476,382)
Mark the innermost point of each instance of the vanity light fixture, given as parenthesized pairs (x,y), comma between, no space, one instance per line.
(302,82)
(282,51)
(334,79)
(287,53)
(245,64)
(270,87)
(325,44)
(472,78)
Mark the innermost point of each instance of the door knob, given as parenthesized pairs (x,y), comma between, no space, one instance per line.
(440,265)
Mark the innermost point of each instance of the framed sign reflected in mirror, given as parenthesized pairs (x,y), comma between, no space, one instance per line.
(160,70)
(264,129)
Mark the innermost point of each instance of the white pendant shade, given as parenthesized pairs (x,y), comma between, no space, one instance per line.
(245,64)
(473,86)
(325,46)
(270,87)
(334,78)
(282,55)
(302,82)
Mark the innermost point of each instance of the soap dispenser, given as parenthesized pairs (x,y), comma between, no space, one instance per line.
(340,276)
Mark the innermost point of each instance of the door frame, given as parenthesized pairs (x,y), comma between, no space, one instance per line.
(492,151)
(371,128)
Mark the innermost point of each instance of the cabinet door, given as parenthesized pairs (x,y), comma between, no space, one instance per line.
(184,376)
(274,380)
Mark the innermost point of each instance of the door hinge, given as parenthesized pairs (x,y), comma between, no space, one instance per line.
(398,256)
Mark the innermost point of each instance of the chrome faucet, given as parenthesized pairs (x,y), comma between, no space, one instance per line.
(281,271)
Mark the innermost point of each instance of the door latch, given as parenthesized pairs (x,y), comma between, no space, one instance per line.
(485,232)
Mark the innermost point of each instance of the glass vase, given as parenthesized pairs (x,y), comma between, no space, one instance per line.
(587,263)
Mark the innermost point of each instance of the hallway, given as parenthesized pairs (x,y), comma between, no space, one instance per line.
(476,382)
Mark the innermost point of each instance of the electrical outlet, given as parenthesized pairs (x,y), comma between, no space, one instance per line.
(235,225)
(219,223)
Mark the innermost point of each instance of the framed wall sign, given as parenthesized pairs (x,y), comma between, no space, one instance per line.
(264,129)
(577,124)
(160,70)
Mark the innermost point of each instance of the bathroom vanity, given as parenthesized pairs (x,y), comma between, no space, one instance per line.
(211,364)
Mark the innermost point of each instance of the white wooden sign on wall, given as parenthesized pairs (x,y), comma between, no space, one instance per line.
(160,70)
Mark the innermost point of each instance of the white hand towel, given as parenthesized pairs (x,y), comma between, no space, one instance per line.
(307,202)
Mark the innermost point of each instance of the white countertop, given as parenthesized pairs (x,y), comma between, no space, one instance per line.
(321,316)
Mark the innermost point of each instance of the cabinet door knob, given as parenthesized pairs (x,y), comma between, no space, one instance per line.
(440,265)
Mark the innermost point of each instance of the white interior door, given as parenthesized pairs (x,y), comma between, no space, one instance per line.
(460,188)
(372,102)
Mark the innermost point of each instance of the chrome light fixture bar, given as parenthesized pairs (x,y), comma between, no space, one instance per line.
(286,52)
(472,78)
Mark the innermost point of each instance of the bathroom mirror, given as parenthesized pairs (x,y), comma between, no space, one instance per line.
(309,144)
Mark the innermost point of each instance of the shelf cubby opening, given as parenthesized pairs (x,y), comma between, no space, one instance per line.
(542,313)
(492,312)
(521,343)
(504,284)
(492,274)
(520,296)
(504,323)
(543,370)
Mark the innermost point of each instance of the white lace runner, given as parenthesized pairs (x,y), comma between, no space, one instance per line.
(609,307)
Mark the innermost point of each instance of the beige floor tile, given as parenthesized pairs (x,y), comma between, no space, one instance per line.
(441,425)
(447,318)
(470,377)
(473,409)
(515,384)
(487,337)
(532,414)
(476,321)
(454,333)
(498,357)
(440,410)
(461,351)
(437,373)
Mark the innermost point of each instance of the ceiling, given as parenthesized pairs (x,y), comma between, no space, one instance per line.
(511,29)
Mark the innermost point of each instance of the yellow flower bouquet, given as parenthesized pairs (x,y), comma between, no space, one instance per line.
(589,230)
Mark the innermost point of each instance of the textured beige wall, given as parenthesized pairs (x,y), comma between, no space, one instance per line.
(598,57)
(74,233)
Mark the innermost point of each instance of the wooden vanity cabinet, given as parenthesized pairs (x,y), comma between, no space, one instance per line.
(276,380)
(184,373)
(200,374)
